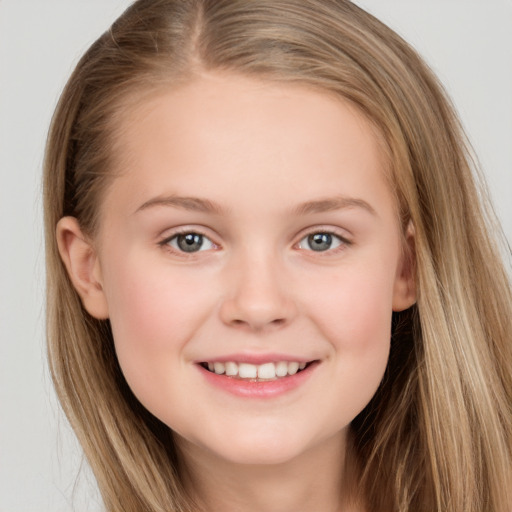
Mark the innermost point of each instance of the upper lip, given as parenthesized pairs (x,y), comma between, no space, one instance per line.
(257,359)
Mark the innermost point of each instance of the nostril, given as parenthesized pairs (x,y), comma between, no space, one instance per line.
(278,322)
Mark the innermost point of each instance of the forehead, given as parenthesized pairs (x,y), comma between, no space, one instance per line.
(224,128)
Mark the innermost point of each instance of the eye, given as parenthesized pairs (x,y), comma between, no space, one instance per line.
(321,242)
(190,242)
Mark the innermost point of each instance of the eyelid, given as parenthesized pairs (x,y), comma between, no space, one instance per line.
(184,230)
(171,242)
(200,230)
(345,241)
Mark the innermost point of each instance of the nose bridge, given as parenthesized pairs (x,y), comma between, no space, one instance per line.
(257,295)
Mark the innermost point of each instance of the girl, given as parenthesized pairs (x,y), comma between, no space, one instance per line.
(272,284)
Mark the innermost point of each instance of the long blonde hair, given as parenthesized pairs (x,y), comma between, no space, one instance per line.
(437,436)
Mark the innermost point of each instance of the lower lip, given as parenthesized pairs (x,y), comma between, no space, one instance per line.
(259,389)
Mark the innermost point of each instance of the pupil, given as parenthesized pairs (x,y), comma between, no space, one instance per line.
(190,242)
(320,241)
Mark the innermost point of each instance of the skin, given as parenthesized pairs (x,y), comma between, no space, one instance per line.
(259,152)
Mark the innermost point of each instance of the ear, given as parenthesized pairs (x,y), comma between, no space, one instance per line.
(404,293)
(82,264)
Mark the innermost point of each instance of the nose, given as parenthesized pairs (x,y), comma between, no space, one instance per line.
(258,297)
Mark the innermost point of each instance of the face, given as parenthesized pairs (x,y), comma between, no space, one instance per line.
(249,259)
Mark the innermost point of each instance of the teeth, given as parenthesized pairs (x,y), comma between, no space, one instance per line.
(293,368)
(247,371)
(219,368)
(231,369)
(282,369)
(266,371)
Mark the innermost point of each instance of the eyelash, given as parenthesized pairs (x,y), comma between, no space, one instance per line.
(343,242)
(166,242)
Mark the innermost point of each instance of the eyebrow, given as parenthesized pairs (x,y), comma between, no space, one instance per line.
(197,204)
(333,203)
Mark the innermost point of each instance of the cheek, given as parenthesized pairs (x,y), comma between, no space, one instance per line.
(354,307)
(353,310)
(153,313)
(148,302)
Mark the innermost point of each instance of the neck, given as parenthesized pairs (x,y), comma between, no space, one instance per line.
(310,482)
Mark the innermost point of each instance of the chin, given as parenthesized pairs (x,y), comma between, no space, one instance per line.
(259,456)
(259,448)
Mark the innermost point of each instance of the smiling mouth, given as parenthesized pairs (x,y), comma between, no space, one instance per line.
(257,373)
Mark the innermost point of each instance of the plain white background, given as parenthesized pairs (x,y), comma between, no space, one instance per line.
(467,42)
